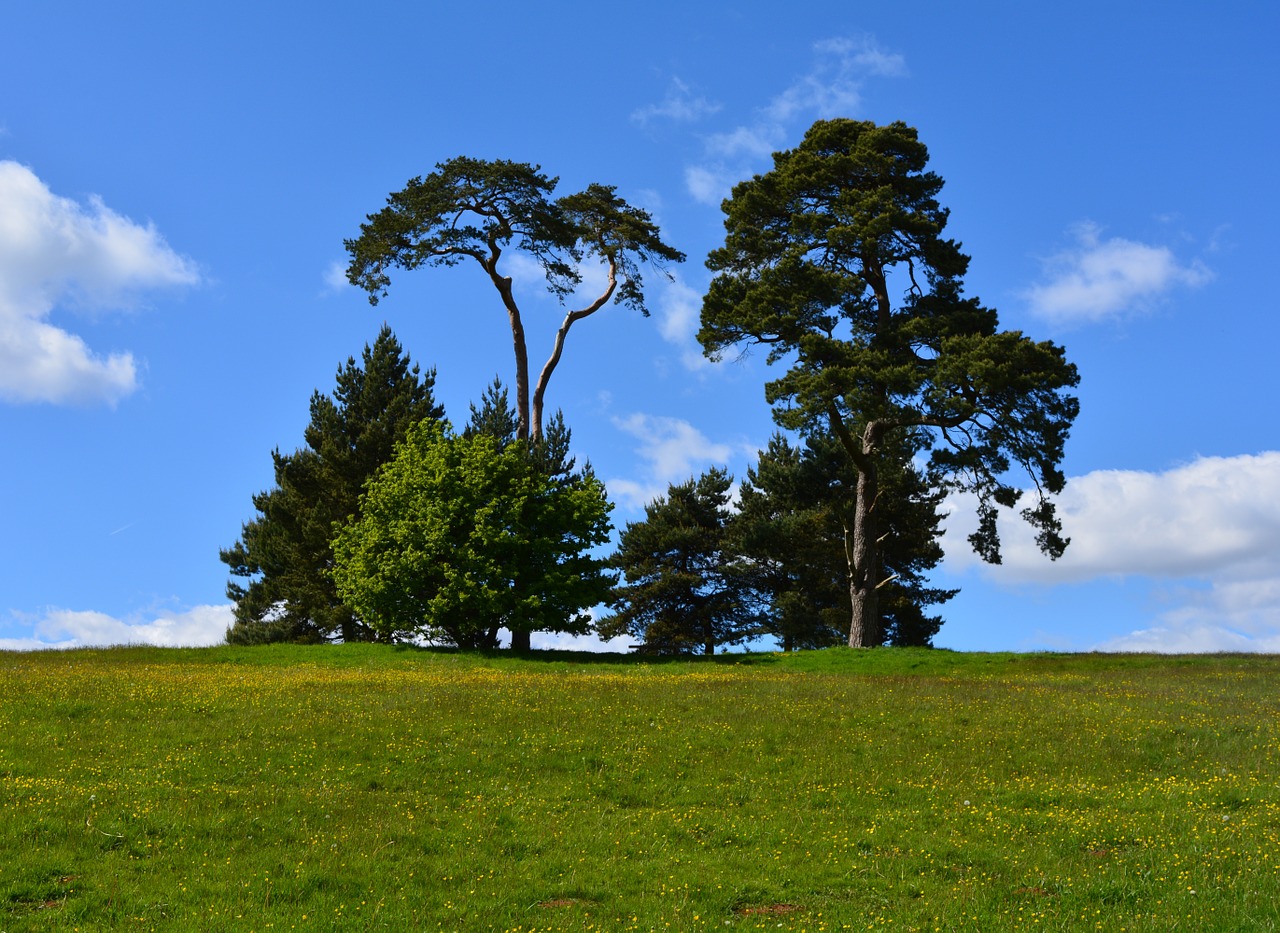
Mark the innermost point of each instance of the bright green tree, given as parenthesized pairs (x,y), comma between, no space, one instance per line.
(472,210)
(682,592)
(836,261)
(284,553)
(460,536)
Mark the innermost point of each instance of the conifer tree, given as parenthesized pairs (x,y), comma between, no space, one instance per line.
(837,263)
(284,553)
(549,452)
(682,592)
(792,532)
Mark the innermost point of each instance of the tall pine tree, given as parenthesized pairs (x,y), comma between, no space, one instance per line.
(285,554)
(793,532)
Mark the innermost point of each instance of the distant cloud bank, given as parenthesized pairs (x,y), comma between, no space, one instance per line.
(56,253)
(65,628)
(1207,532)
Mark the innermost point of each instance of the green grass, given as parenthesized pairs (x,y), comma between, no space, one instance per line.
(365,787)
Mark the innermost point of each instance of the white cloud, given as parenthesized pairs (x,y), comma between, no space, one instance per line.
(1228,615)
(679,315)
(65,628)
(865,55)
(1100,279)
(1207,534)
(335,276)
(756,143)
(709,185)
(561,641)
(681,104)
(1212,515)
(55,252)
(671,449)
(831,88)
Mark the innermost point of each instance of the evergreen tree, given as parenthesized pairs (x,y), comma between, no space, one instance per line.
(682,592)
(550,453)
(285,553)
(793,530)
(473,210)
(815,253)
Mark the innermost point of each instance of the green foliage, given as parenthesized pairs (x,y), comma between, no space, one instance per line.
(475,210)
(461,535)
(814,252)
(684,591)
(795,515)
(285,552)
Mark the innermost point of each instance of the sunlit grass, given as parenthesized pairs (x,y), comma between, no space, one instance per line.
(365,787)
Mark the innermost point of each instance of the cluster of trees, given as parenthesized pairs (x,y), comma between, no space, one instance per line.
(897,387)
(389,525)
(702,571)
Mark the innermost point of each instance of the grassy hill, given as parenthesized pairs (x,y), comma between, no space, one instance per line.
(366,787)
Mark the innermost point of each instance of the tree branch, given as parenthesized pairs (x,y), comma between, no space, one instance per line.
(569,320)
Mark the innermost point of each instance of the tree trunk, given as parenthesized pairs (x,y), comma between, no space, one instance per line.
(864,625)
(861,546)
(520,640)
(503,285)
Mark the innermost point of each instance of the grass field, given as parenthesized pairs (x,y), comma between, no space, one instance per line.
(365,787)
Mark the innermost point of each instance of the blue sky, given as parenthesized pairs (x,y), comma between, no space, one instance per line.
(176,182)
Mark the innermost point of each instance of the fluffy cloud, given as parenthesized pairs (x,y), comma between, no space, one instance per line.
(1207,534)
(831,88)
(671,449)
(1099,279)
(679,316)
(710,184)
(562,641)
(55,252)
(65,628)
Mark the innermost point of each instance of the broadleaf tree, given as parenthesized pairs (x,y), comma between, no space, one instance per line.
(460,536)
(835,260)
(284,554)
(473,210)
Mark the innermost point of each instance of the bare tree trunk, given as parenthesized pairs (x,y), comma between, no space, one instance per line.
(520,640)
(864,624)
(861,545)
(522,363)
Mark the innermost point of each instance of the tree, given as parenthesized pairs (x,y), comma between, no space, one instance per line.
(459,536)
(681,594)
(792,531)
(812,251)
(285,552)
(549,451)
(475,210)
